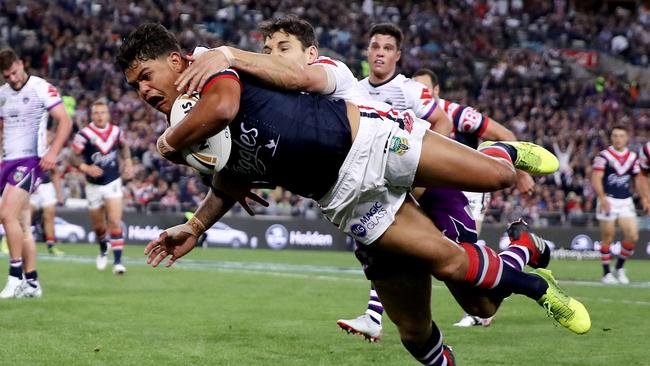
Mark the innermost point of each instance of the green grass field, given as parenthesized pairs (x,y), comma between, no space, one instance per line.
(256,307)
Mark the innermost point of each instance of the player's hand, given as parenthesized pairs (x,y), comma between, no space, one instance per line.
(645,204)
(604,206)
(174,242)
(48,161)
(128,169)
(94,171)
(201,68)
(525,183)
(239,190)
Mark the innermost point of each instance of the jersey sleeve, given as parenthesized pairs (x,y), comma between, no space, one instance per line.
(225,74)
(79,143)
(599,163)
(346,85)
(636,167)
(49,95)
(419,99)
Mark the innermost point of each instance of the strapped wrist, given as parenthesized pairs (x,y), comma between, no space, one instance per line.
(196,226)
(164,148)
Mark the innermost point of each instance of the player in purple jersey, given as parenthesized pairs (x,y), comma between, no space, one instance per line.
(97,148)
(339,148)
(613,171)
(26,103)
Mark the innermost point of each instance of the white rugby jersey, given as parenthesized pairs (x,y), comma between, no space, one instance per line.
(24,114)
(402,93)
(347,86)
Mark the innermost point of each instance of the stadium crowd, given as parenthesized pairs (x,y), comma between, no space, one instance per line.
(487,54)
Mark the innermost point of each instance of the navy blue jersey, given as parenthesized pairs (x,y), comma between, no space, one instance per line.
(100,147)
(618,167)
(294,140)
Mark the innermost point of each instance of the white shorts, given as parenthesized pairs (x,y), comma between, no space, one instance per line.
(375,177)
(478,203)
(96,194)
(618,207)
(44,196)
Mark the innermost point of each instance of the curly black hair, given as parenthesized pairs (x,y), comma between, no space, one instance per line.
(147,42)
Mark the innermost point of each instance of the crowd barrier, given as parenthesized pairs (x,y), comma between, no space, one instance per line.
(280,233)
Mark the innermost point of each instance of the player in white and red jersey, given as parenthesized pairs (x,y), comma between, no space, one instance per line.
(292,41)
(97,147)
(26,103)
(613,171)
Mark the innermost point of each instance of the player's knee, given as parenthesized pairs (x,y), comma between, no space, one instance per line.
(450,271)
(7,217)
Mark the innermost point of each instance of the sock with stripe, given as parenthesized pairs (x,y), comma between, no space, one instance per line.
(50,241)
(486,270)
(605,257)
(516,256)
(117,244)
(501,150)
(627,249)
(32,278)
(375,309)
(102,239)
(431,353)
(16,268)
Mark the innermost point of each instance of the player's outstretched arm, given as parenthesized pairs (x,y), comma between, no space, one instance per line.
(179,240)
(280,72)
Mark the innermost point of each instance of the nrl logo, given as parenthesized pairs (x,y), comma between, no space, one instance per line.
(399,145)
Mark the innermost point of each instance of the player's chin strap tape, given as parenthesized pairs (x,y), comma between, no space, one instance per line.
(164,148)
(193,226)
(229,56)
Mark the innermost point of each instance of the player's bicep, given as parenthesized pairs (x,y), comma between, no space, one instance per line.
(59,114)
(440,122)
(220,98)
(319,78)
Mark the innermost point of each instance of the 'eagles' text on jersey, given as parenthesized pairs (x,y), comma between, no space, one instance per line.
(24,114)
(618,167)
(100,147)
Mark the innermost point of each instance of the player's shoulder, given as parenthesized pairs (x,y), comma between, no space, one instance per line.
(324,60)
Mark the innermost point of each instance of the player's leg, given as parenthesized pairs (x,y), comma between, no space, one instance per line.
(607,231)
(98,224)
(407,299)
(49,212)
(413,234)
(114,215)
(113,204)
(630,228)
(446,163)
(31,286)
(14,199)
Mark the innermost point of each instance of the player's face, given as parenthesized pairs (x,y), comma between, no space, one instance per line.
(426,80)
(619,139)
(154,80)
(287,45)
(383,55)
(100,115)
(15,75)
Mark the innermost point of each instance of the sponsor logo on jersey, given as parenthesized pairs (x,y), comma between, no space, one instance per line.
(358,230)
(399,145)
(25,100)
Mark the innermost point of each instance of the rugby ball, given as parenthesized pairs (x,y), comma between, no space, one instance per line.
(212,154)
